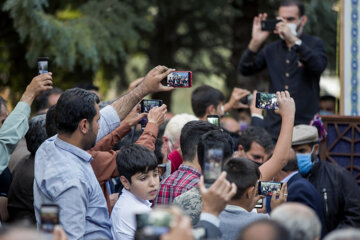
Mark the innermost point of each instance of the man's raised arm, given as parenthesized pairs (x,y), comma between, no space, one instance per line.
(283,145)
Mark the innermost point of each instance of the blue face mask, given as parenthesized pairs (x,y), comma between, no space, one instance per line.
(305,162)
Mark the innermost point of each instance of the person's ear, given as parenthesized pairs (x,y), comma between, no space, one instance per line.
(241,150)
(210,110)
(250,192)
(125,182)
(304,20)
(316,149)
(83,126)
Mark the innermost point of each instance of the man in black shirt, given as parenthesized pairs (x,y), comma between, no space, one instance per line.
(295,62)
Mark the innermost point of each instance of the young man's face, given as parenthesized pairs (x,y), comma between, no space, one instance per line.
(90,138)
(257,153)
(306,148)
(290,14)
(145,185)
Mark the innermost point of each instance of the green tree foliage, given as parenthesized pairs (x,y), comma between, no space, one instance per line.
(87,37)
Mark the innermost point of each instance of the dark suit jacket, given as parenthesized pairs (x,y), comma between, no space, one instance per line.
(212,232)
(302,191)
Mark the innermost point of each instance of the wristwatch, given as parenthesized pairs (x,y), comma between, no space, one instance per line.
(298,42)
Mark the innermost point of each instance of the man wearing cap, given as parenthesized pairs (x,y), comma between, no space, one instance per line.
(338,188)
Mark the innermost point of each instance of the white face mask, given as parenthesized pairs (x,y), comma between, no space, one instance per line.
(292,27)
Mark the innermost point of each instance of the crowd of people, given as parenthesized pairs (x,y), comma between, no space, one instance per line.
(105,177)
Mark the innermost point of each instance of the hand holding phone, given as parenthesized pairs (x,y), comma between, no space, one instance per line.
(213,159)
(267,188)
(178,79)
(145,107)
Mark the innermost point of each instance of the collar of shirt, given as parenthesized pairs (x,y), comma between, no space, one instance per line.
(187,168)
(85,156)
(128,194)
(235,208)
(288,177)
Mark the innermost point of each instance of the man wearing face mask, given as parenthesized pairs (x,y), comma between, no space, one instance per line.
(294,62)
(337,187)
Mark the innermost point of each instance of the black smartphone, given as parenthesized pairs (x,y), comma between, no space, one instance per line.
(213,158)
(259,204)
(213,119)
(247,100)
(267,188)
(152,225)
(49,215)
(178,79)
(145,106)
(269,24)
(43,65)
(266,101)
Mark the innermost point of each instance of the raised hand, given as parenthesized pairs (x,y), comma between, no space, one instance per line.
(152,80)
(37,85)
(258,36)
(157,115)
(234,102)
(279,198)
(286,104)
(134,116)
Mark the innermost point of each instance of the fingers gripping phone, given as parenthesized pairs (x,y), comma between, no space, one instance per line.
(266,101)
(153,224)
(178,79)
(43,65)
(213,164)
(269,24)
(49,215)
(145,107)
(267,188)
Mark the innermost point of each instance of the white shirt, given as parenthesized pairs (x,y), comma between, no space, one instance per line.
(123,219)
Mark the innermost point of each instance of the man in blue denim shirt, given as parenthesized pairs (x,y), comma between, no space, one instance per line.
(295,62)
(63,174)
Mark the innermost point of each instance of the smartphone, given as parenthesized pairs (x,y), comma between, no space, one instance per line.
(247,100)
(269,24)
(213,159)
(178,79)
(145,107)
(213,119)
(266,101)
(152,225)
(49,215)
(43,65)
(259,204)
(267,188)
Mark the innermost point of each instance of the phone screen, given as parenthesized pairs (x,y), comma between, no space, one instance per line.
(266,100)
(213,164)
(267,188)
(153,224)
(49,215)
(214,119)
(179,79)
(259,203)
(145,107)
(43,65)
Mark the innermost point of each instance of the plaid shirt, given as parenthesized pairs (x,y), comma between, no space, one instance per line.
(180,181)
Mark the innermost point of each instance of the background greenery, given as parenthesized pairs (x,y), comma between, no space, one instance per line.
(112,42)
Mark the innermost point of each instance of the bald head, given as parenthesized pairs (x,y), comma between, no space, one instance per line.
(230,124)
(300,220)
(264,229)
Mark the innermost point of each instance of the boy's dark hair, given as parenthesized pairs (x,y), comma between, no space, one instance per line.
(190,135)
(74,105)
(299,4)
(213,139)
(279,231)
(51,129)
(204,96)
(243,172)
(87,86)
(41,102)
(256,134)
(36,134)
(135,158)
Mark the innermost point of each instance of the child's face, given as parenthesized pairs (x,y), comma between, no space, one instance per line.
(145,185)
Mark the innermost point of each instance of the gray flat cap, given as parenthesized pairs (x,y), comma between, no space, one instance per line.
(303,134)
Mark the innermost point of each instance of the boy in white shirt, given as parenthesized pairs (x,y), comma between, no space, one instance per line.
(137,166)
